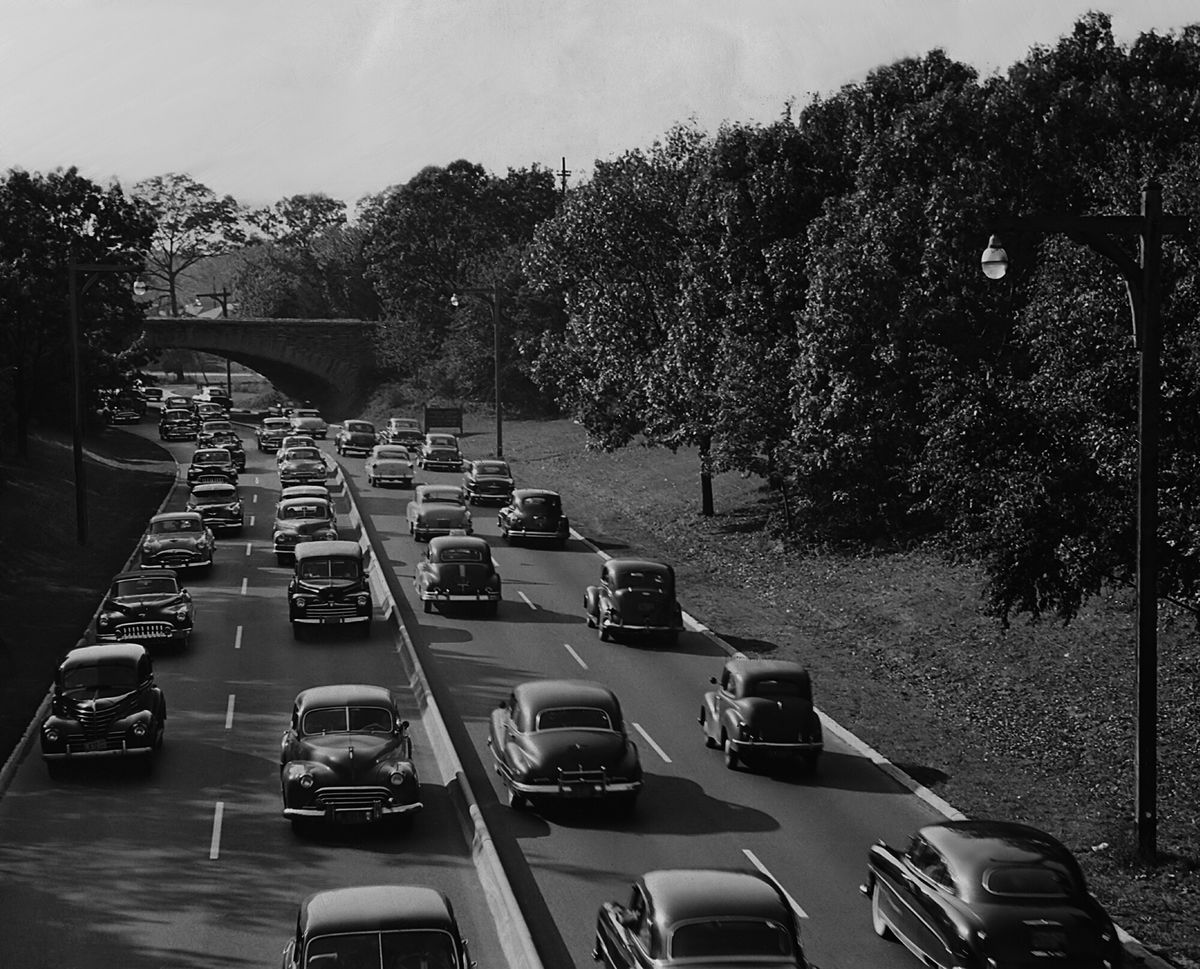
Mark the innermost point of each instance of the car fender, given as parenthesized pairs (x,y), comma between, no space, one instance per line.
(712,714)
(731,723)
(591,601)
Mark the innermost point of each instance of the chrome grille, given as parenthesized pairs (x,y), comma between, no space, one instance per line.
(144,630)
(330,610)
(352,798)
(212,479)
(96,724)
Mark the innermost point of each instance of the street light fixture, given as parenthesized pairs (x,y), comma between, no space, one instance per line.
(491,296)
(1143,282)
(90,272)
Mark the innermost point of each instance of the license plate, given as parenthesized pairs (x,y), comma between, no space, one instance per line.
(328,622)
(95,745)
(353,817)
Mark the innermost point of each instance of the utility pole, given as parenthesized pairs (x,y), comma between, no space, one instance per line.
(562,175)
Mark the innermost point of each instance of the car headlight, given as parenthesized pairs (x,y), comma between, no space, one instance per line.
(105,619)
(329,534)
(398,778)
(301,602)
(52,735)
(363,600)
(180,611)
(149,545)
(139,729)
(306,781)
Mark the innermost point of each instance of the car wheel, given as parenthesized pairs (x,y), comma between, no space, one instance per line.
(709,740)
(878,922)
(280,558)
(604,633)
(731,755)
(370,481)
(427,604)
(516,800)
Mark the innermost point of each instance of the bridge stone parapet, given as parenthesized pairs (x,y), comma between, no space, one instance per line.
(330,362)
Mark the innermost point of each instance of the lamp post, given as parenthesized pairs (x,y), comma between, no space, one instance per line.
(491,296)
(90,272)
(223,298)
(1143,283)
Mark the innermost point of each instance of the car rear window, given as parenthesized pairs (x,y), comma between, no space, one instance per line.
(392,454)
(214,456)
(1027,881)
(371,950)
(778,689)
(303,454)
(452,497)
(360,427)
(573,718)
(459,554)
(640,579)
(722,938)
(314,510)
(491,467)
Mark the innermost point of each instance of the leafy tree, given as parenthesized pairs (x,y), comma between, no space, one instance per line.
(299,219)
(193,223)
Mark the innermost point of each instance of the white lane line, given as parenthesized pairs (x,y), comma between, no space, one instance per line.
(254,498)
(249,547)
(244,583)
(527,602)
(237,638)
(650,740)
(214,847)
(763,868)
(578,658)
(251,521)
(229,713)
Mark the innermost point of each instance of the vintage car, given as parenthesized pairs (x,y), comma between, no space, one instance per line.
(219,505)
(564,739)
(377,926)
(301,465)
(105,703)
(440,452)
(177,424)
(762,708)
(145,607)
(152,395)
(178,402)
(402,430)
(329,587)
(458,569)
(210,426)
(177,540)
(271,432)
(211,465)
(226,438)
(389,464)
(355,437)
(214,395)
(976,894)
(488,479)
(534,515)
(635,597)
(346,757)
(209,410)
(700,918)
(308,420)
(438,510)
(291,441)
(125,408)
(300,520)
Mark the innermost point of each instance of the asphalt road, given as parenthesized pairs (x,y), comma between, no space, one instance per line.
(194,865)
(811,834)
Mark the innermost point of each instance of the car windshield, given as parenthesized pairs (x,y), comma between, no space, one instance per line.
(103,679)
(721,938)
(213,497)
(455,553)
(350,719)
(315,510)
(1026,881)
(778,689)
(408,949)
(454,497)
(145,586)
(303,454)
(214,456)
(491,467)
(340,567)
(211,426)
(169,526)
(573,718)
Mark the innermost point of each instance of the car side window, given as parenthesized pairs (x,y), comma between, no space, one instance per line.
(930,863)
(727,681)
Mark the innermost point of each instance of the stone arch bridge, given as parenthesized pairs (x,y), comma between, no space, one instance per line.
(330,362)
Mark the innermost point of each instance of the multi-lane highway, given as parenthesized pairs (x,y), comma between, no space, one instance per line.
(194,866)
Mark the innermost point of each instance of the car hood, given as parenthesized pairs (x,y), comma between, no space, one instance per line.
(88,704)
(349,751)
(325,588)
(125,603)
(301,464)
(178,540)
(575,749)
(305,526)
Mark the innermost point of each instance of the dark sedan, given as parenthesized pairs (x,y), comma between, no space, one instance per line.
(533,514)
(271,432)
(564,739)
(301,465)
(211,465)
(458,569)
(346,757)
(762,708)
(146,607)
(979,894)
(177,425)
(702,919)
(488,479)
(177,540)
(635,597)
(356,437)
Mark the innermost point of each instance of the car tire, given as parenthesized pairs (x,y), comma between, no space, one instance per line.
(605,636)
(370,481)
(516,800)
(709,741)
(732,760)
(878,922)
(427,604)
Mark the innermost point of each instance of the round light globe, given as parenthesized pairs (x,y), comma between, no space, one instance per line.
(994,261)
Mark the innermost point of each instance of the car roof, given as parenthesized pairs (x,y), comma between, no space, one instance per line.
(426,488)
(679,894)
(146,574)
(975,845)
(374,908)
(459,541)
(763,669)
(222,486)
(103,653)
(292,500)
(312,550)
(535,695)
(358,420)
(343,694)
(306,491)
(522,493)
(173,515)
(622,566)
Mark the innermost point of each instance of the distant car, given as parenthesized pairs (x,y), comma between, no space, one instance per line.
(126,409)
(302,465)
(977,894)
(152,395)
(762,708)
(210,426)
(176,402)
(211,465)
(488,479)
(458,569)
(389,926)
(329,587)
(700,919)
(207,410)
(440,452)
(146,607)
(271,432)
(635,597)
(215,395)
(355,437)
(308,420)
(177,424)
(219,504)
(291,441)
(347,758)
(533,514)
(300,520)
(222,434)
(438,510)
(178,540)
(105,703)
(564,739)
(402,430)
(389,464)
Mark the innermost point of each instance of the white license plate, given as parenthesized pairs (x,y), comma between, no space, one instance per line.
(95,745)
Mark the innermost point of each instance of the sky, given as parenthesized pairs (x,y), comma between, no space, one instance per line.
(264,99)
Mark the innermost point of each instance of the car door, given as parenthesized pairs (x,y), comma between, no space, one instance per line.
(909,911)
(934,899)
(287,743)
(624,932)
(501,731)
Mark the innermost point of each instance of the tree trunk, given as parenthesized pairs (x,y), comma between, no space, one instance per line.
(706,489)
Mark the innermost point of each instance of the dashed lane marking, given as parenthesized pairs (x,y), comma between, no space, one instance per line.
(229,713)
(578,658)
(763,868)
(214,846)
(237,638)
(527,602)
(650,740)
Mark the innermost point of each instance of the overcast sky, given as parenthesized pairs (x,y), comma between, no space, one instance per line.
(263,99)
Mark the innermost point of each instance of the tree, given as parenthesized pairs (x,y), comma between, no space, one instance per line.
(193,223)
(299,219)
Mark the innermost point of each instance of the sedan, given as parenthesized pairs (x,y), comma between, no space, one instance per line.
(219,505)
(438,510)
(211,465)
(146,607)
(347,758)
(534,515)
(564,739)
(488,479)
(271,432)
(306,420)
(291,441)
(299,520)
(976,894)
(458,569)
(402,430)
(389,464)
(635,597)
(177,540)
(302,465)
(355,437)
(700,918)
